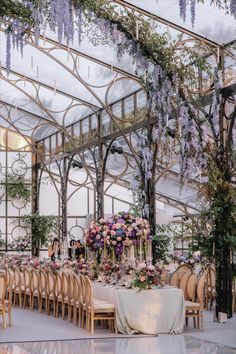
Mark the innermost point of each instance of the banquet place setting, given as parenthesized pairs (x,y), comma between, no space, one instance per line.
(117,176)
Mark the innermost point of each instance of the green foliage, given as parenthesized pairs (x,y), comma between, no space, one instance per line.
(135,210)
(216,229)
(15,10)
(158,48)
(2,242)
(41,227)
(160,243)
(17,188)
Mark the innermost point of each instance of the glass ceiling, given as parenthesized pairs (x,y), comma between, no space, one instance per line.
(210,22)
(52,85)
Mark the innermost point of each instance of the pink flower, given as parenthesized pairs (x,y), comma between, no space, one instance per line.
(142,278)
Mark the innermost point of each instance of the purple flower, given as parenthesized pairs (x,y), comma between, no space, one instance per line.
(193,11)
(182,9)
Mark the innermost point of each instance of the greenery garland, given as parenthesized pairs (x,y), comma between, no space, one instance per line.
(158,48)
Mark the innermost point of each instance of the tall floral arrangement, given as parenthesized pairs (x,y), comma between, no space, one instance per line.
(117,232)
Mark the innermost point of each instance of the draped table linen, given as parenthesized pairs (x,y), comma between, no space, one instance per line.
(148,311)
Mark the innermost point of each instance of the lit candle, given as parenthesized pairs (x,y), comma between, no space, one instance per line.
(132,252)
(140,249)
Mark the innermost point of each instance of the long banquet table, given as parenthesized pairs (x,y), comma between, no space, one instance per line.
(153,311)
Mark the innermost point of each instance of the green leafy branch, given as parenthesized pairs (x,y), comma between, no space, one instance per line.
(17,188)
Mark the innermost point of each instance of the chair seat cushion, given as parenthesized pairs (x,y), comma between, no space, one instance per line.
(192,304)
(103,307)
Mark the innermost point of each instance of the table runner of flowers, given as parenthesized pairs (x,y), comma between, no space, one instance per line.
(141,275)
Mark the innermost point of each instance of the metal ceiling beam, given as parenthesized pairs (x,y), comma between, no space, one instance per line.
(162,197)
(226,92)
(32,115)
(25,111)
(102,110)
(165,22)
(39,83)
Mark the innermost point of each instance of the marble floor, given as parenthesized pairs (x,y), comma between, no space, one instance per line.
(34,333)
(164,344)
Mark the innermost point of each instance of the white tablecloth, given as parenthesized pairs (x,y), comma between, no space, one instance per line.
(148,311)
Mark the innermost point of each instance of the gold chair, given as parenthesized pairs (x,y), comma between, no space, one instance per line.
(8,296)
(183,284)
(9,284)
(73,292)
(27,297)
(195,309)
(59,295)
(3,289)
(76,303)
(97,310)
(66,294)
(184,268)
(18,287)
(82,300)
(43,290)
(210,287)
(51,285)
(35,289)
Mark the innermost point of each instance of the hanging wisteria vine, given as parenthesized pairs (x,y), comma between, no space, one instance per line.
(228,5)
(161,74)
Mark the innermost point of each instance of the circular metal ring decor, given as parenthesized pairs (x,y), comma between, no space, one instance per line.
(76,232)
(19,203)
(18,231)
(19,167)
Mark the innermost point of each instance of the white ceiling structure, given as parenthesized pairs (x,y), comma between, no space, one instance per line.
(43,90)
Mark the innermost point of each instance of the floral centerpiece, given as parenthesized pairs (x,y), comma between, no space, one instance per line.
(147,276)
(118,231)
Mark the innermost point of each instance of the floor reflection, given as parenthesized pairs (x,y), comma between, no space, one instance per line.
(164,344)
